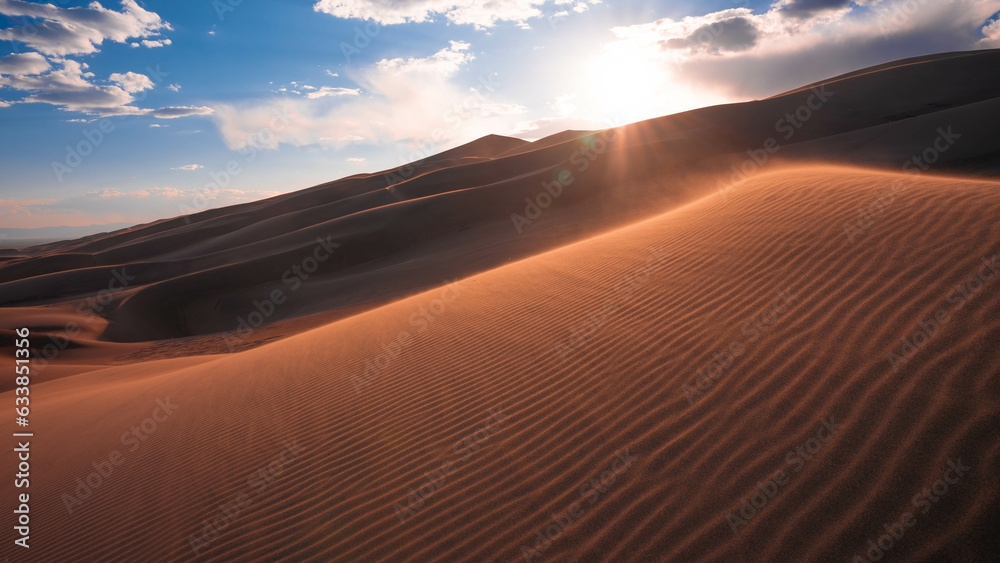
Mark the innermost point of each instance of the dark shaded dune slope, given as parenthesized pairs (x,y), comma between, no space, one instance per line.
(450,215)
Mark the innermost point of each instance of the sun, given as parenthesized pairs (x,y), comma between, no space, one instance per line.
(623,86)
(628,85)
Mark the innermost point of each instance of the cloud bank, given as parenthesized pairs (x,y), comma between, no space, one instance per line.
(404,100)
(46,75)
(742,54)
(55,31)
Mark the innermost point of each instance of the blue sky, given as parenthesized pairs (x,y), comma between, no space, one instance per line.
(163,97)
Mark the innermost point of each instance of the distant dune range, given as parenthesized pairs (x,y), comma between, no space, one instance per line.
(775,366)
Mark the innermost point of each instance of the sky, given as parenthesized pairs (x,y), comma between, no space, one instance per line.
(126,112)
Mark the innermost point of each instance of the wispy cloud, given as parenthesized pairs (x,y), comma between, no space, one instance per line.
(172,112)
(188,167)
(404,99)
(331,91)
(112,206)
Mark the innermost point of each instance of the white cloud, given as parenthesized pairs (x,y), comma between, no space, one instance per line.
(330,91)
(24,64)
(188,167)
(145,193)
(445,62)
(132,82)
(732,30)
(155,125)
(563,105)
(172,112)
(174,87)
(58,31)
(68,87)
(355,159)
(475,12)
(413,99)
(55,32)
(331,73)
(151,43)
(992,33)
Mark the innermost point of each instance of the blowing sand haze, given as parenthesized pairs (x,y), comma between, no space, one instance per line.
(723,287)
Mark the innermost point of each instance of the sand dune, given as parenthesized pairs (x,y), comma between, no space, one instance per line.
(709,348)
(590,350)
(712,343)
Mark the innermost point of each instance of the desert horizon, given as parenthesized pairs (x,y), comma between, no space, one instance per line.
(756,321)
